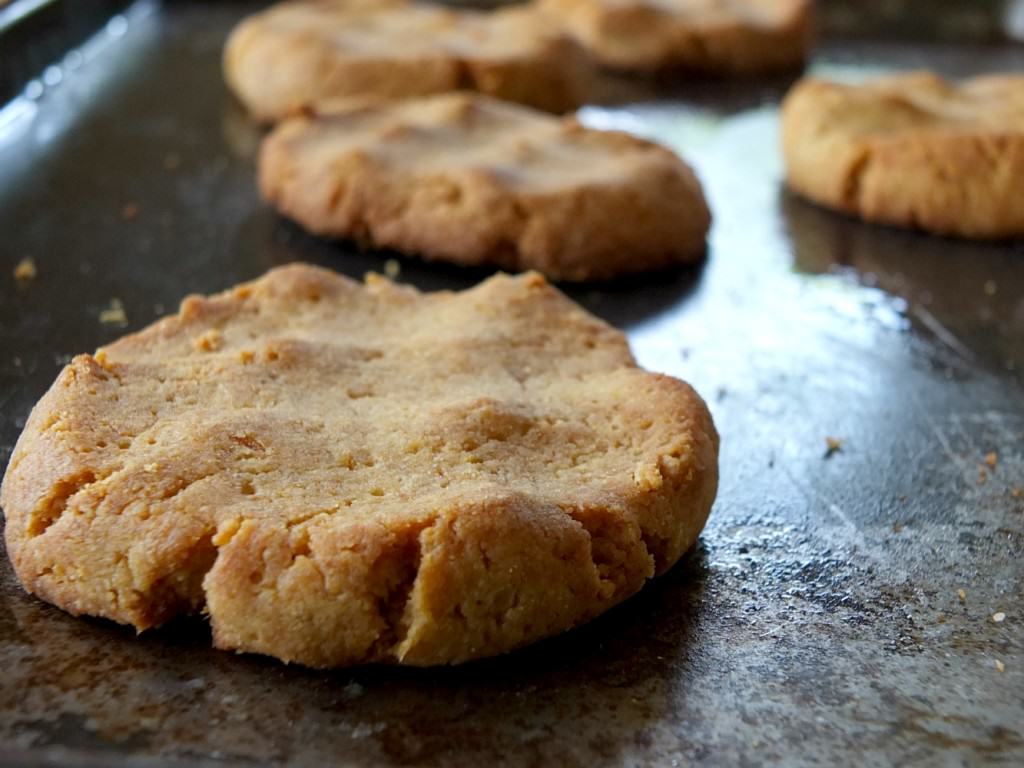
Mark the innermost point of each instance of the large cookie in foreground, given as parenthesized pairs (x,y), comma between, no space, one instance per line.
(721,37)
(339,474)
(301,54)
(469,180)
(912,150)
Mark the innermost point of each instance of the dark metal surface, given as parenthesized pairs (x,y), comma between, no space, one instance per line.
(979,21)
(36,34)
(818,622)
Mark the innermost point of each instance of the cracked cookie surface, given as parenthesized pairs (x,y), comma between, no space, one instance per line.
(709,36)
(340,474)
(298,55)
(470,180)
(912,150)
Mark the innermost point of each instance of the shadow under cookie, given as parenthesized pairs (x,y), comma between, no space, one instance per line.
(164,689)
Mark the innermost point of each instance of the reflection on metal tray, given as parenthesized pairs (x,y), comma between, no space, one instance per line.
(839,608)
(35,35)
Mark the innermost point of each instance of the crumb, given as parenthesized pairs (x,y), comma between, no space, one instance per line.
(897,527)
(992,458)
(982,475)
(990,287)
(940,619)
(129,211)
(171,162)
(833,445)
(962,594)
(647,477)
(210,341)
(114,314)
(392,269)
(1017,492)
(25,270)
(1000,667)
(998,617)
(16,361)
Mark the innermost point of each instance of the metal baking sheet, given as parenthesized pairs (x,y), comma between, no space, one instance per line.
(819,621)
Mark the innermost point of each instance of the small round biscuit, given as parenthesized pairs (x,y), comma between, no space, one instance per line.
(708,36)
(300,54)
(912,150)
(469,180)
(338,474)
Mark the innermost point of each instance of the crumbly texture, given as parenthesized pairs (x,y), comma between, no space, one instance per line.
(466,179)
(912,150)
(338,474)
(25,270)
(298,55)
(709,36)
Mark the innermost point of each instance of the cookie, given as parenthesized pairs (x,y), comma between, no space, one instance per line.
(338,474)
(912,150)
(469,180)
(707,36)
(301,54)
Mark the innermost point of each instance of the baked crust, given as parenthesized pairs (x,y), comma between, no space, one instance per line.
(298,55)
(339,474)
(912,150)
(469,180)
(708,36)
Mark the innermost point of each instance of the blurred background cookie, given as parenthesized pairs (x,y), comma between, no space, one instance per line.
(912,150)
(301,54)
(710,36)
(466,179)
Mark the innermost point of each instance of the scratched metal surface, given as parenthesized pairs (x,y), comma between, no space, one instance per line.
(817,622)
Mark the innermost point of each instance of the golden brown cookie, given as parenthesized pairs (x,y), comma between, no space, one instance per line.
(912,150)
(709,36)
(337,473)
(470,180)
(301,54)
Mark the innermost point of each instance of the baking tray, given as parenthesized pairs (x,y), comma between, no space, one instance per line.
(819,620)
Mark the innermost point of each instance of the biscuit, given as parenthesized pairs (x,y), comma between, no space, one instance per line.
(707,36)
(337,473)
(469,180)
(300,54)
(912,150)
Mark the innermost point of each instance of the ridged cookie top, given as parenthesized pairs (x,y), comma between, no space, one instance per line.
(520,149)
(397,29)
(916,102)
(307,427)
(352,391)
